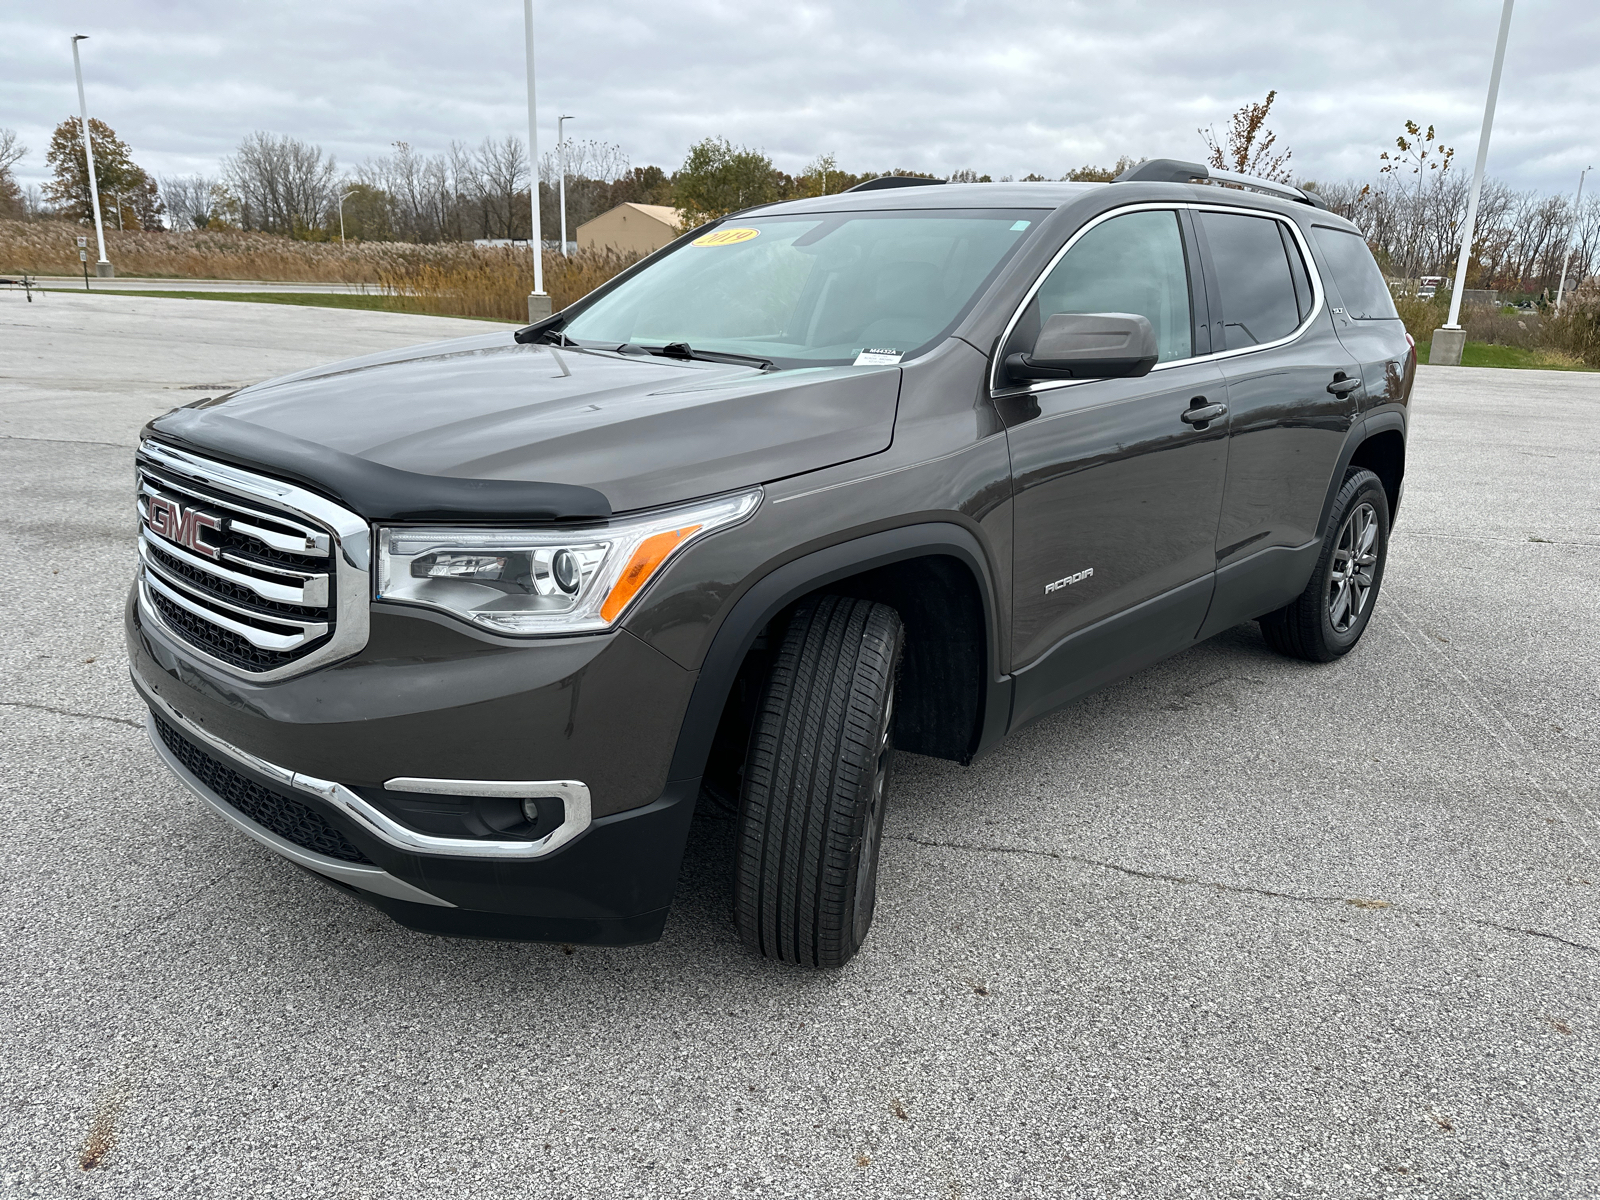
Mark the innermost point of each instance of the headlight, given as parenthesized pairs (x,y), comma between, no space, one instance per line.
(542,581)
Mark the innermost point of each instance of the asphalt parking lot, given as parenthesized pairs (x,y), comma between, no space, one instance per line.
(1237,926)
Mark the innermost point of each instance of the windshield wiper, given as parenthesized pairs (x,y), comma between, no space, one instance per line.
(685,351)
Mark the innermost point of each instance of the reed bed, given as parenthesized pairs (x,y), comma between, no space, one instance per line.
(454,278)
(495,281)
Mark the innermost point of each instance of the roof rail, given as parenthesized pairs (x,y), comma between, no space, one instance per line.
(1174,170)
(893,181)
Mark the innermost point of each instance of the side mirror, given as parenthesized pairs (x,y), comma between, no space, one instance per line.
(1088,346)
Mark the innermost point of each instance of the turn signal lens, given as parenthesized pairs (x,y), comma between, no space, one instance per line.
(645,561)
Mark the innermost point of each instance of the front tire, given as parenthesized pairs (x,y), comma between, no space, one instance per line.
(1327,619)
(815,783)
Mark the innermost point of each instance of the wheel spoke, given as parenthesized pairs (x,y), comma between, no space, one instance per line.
(1340,604)
(1369,531)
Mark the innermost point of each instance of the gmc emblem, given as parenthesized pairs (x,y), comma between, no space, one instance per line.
(182,525)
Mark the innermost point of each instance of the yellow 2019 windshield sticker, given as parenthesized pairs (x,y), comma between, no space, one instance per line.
(726,237)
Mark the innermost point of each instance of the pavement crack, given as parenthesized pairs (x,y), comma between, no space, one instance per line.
(15,437)
(67,712)
(1240,889)
(1483,537)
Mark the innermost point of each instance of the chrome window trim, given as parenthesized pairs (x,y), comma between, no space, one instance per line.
(368,878)
(350,552)
(374,821)
(1318,294)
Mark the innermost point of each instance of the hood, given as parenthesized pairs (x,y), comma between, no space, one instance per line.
(641,430)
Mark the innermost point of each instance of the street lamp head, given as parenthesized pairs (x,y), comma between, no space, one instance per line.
(80,37)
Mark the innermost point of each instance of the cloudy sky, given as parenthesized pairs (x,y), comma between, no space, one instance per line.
(1004,86)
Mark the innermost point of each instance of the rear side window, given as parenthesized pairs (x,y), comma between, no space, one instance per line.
(1259,304)
(1366,296)
(1129,264)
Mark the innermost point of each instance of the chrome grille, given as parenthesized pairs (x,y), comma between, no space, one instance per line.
(254,574)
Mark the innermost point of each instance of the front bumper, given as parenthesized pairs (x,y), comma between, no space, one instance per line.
(595,874)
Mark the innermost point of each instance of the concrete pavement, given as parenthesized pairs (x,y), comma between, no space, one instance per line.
(1237,926)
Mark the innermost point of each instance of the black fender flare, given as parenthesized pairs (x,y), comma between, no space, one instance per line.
(785,584)
(1362,430)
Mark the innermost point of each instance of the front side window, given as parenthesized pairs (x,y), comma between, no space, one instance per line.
(1251,259)
(1366,296)
(811,290)
(1130,264)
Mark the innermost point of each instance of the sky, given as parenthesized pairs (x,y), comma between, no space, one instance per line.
(1005,87)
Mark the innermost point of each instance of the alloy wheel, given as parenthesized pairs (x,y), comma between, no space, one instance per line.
(1352,573)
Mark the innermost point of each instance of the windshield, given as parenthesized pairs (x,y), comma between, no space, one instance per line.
(811,290)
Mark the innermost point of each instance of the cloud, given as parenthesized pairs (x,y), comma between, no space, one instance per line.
(1005,87)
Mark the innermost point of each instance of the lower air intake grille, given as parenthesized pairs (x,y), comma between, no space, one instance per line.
(283,814)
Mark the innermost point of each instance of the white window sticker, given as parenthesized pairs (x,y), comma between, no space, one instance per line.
(1019,226)
(871,357)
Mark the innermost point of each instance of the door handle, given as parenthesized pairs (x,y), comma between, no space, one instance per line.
(1203,415)
(1343,385)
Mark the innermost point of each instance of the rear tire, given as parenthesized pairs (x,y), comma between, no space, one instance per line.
(815,784)
(1327,619)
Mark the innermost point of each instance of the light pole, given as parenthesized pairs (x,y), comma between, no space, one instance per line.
(561,156)
(1561,288)
(1447,349)
(538,301)
(342,199)
(103,266)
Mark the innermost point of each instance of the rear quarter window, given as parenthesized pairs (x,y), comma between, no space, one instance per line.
(1365,294)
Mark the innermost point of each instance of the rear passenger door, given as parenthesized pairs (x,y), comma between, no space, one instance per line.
(1293,394)
(1116,495)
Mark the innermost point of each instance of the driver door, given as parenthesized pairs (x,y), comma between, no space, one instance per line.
(1116,496)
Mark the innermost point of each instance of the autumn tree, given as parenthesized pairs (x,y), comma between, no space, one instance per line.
(1417,152)
(129,198)
(1248,147)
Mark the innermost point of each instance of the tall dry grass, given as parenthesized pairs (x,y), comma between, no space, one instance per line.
(453,278)
(1575,329)
(495,281)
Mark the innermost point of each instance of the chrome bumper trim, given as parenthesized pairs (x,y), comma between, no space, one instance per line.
(574,797)
(371,879)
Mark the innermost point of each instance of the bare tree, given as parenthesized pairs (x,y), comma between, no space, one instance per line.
(284,185)
(188,199)
(501,177)
(12,201)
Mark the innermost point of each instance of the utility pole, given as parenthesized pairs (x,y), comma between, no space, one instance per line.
(1561,288)
(102,267)
(538,301)
(1451,340)
(561,155)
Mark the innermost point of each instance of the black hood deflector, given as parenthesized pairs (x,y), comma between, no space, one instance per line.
(372,490)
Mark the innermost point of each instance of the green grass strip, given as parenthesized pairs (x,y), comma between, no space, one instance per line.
(1486,354)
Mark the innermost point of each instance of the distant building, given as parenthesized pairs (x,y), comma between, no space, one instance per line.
(631,229)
